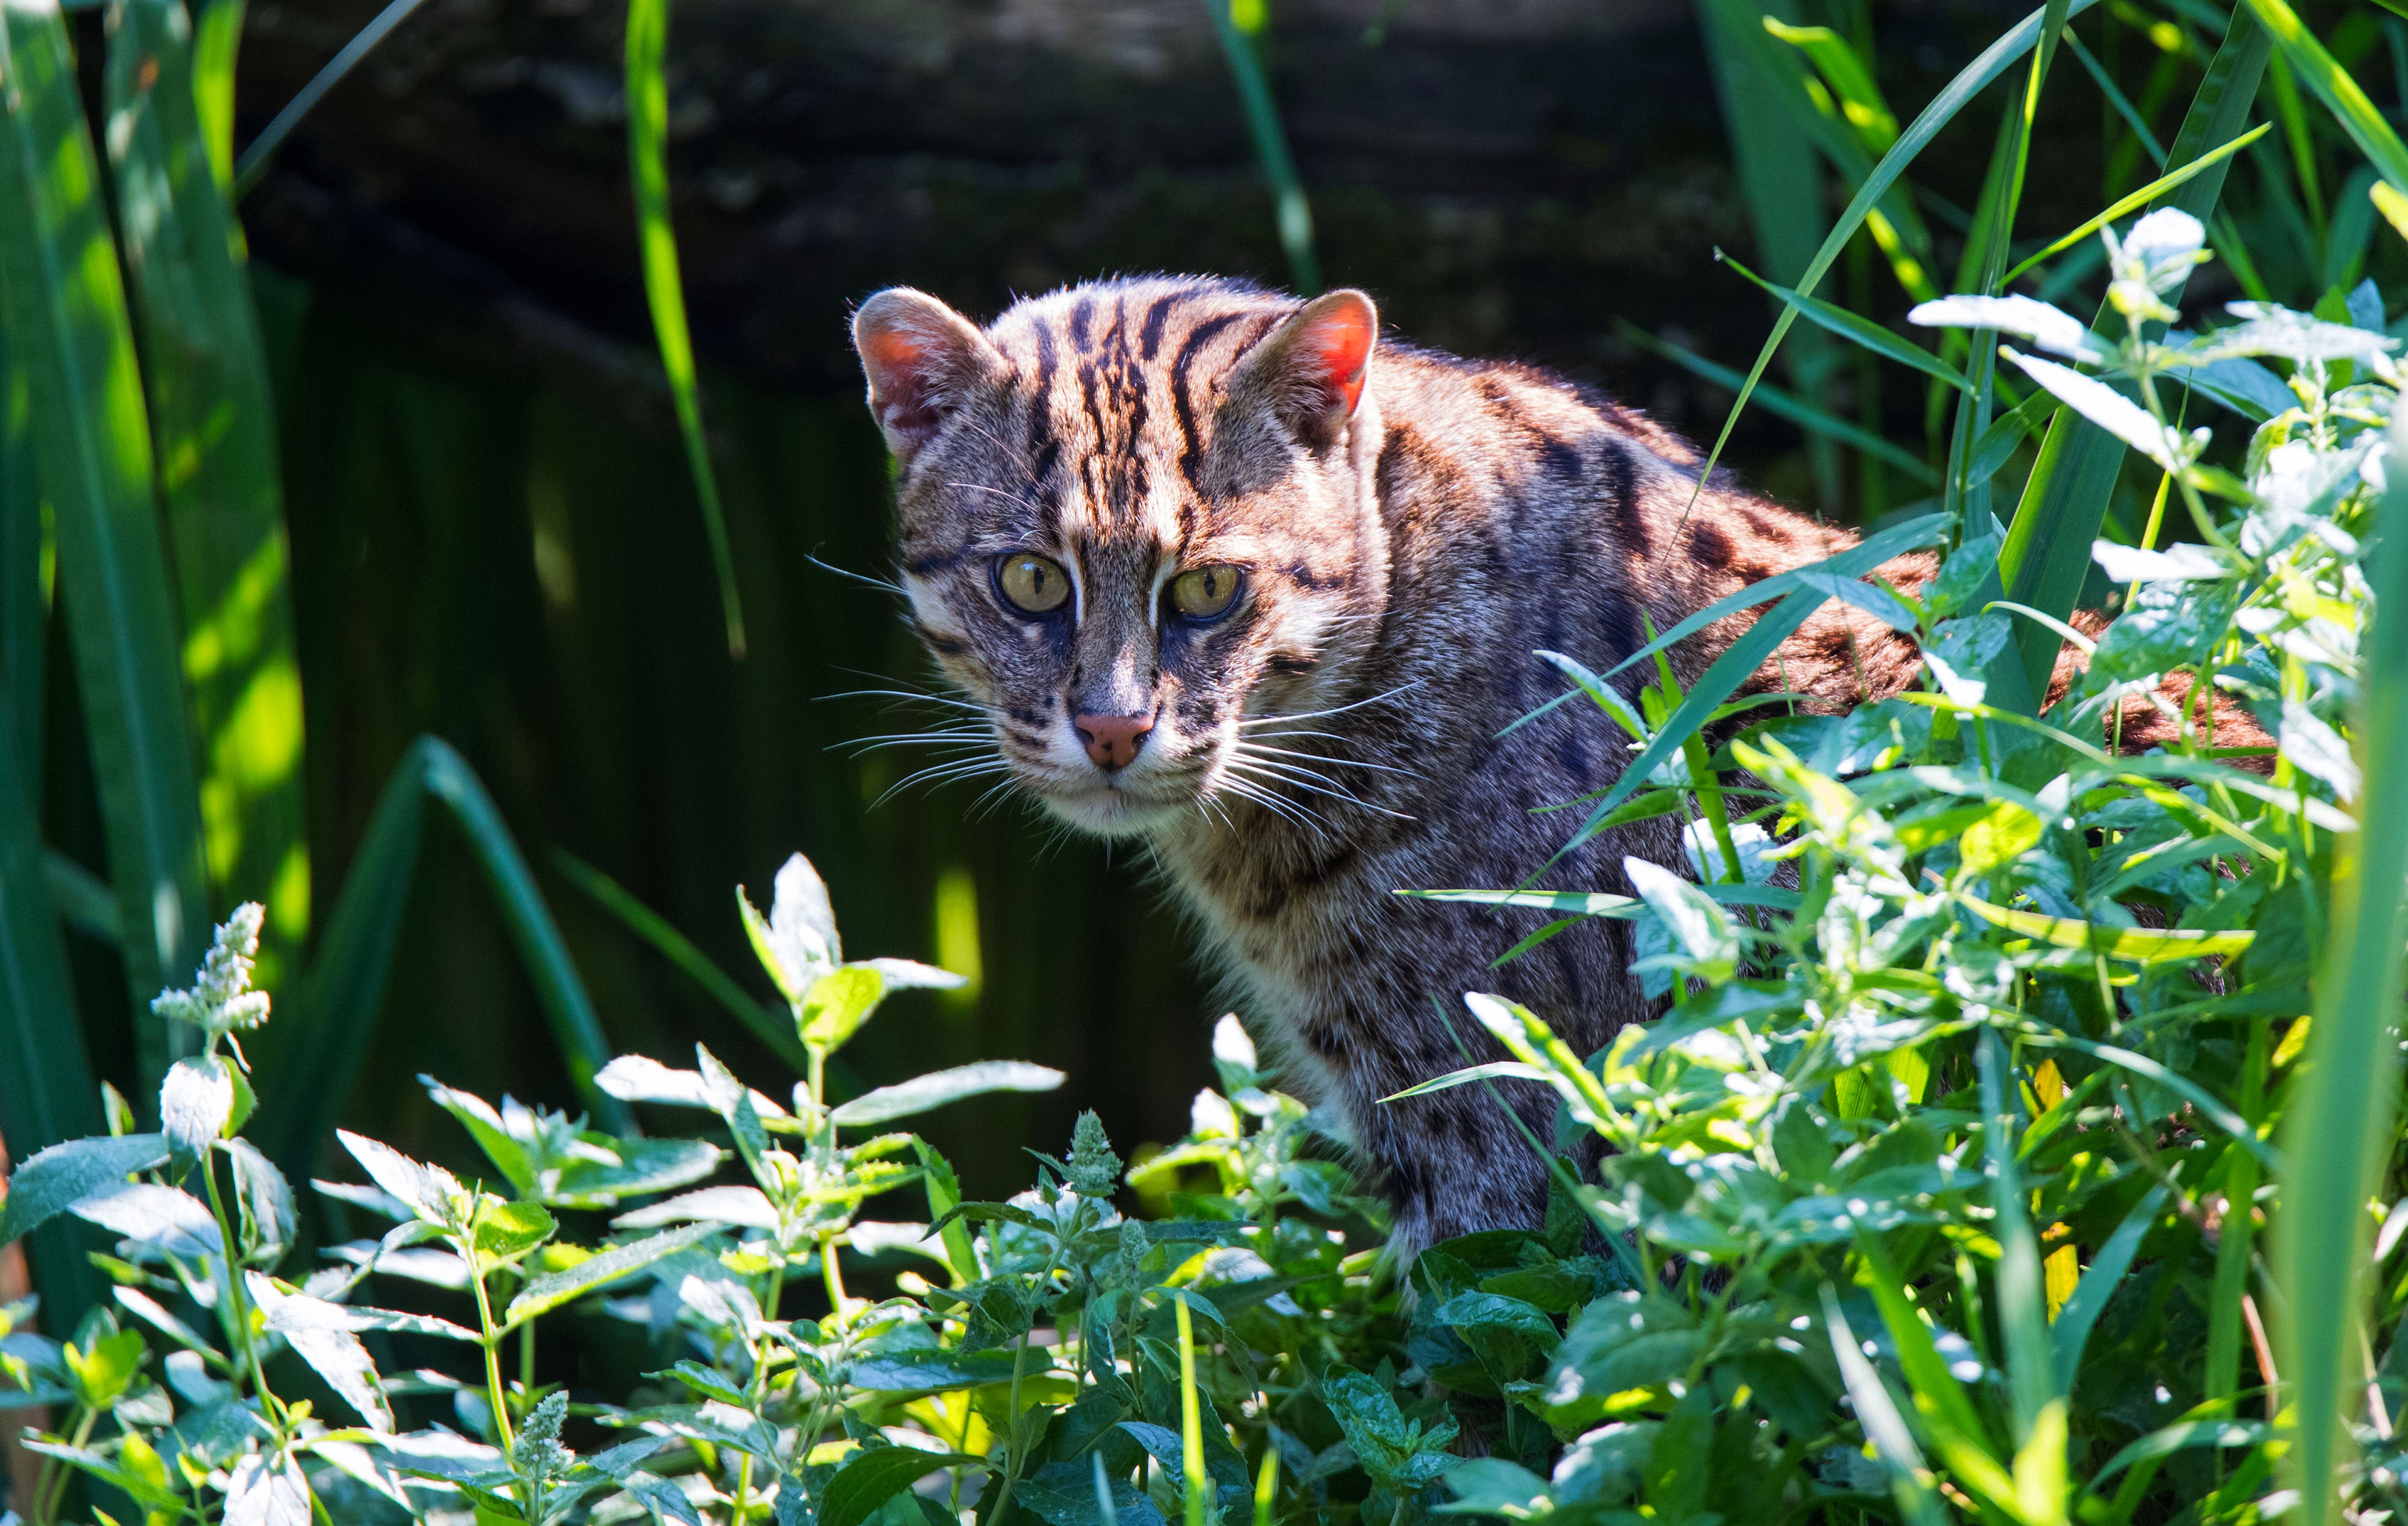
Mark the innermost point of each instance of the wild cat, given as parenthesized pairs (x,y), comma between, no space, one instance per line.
(1229,574)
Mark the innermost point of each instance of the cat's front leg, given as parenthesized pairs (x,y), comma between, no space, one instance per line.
(1453,1163)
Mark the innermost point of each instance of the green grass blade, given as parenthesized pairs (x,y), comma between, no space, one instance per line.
(1854,562)
(2140,198)
(2120,102)
(1971,81)
(1994,226)
(217,37)
(2047,551)
(674,947)
(310,1057)
(1857,329)
(253,163)
(1936,1389)
(575,1028)
(2337,1132)
(1797,411)
(2339,92)
(1270,147)
(215,421)
(648,129)
(46,1094)
(24,601)
(66,317)
(82,899)
(1773,127)
(1850,81)
(2023,1307)
(1738,662)
(345,986)
(1885,1426)
(2071,1331)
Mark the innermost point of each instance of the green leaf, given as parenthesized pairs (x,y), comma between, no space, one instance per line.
(648,131)
(1858,330)
(502,1230)
(84,901)
(56,1178)
(709,1382)
(46,1085)
(944,1191)
(1854,562)
(927,1093)
(550,1291)
(485,1127)
(206,372)
(63,310)
(1860,97)
(645,1166)
(196,1102)
(872,1476)
(1883,1425)
(102,1374)
(1490,1486)
(253,163)
(1495,1069)
(1065,1495)
(934,1371)
(838,1004)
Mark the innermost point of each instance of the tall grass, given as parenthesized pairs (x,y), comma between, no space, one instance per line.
(189,689)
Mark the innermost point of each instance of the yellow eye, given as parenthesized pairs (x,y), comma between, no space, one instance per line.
(1201,593)
(1032,585)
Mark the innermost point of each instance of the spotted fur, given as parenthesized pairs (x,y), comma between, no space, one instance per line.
(1406,546)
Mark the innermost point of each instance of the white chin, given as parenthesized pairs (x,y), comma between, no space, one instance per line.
(1110,812)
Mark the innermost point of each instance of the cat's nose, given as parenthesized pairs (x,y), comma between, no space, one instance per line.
(1112,740)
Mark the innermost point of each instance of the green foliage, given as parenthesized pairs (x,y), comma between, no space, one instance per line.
(1942,1188)
(1068,1357)
(1942,1172)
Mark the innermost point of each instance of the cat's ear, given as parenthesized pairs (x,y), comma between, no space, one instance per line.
(922,359)
(1311,369)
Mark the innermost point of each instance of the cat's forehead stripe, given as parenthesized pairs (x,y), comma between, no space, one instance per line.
(1089,380)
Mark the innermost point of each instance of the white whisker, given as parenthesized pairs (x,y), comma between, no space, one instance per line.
(1334,710)
(1255,748)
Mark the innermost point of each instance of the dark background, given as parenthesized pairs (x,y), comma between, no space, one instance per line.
(495,538)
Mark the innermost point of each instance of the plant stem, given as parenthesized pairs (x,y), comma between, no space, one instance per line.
(760,1382)
(492,1340)
(835,1275)
(1011,1436)
(56,1478)
(237,1296)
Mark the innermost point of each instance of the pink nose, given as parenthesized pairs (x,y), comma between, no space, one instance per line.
(1112,740)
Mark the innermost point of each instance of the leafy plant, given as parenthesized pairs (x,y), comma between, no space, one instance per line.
(1981,998)
(1057,1363)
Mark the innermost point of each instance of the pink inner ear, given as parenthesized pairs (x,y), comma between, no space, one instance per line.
(1341,342)
(897,358)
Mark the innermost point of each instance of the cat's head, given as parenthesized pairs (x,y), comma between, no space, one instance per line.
(1134,516)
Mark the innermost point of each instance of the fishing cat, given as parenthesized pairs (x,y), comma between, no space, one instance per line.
(1230,574)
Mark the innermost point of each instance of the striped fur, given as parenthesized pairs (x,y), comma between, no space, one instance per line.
(1402,565)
